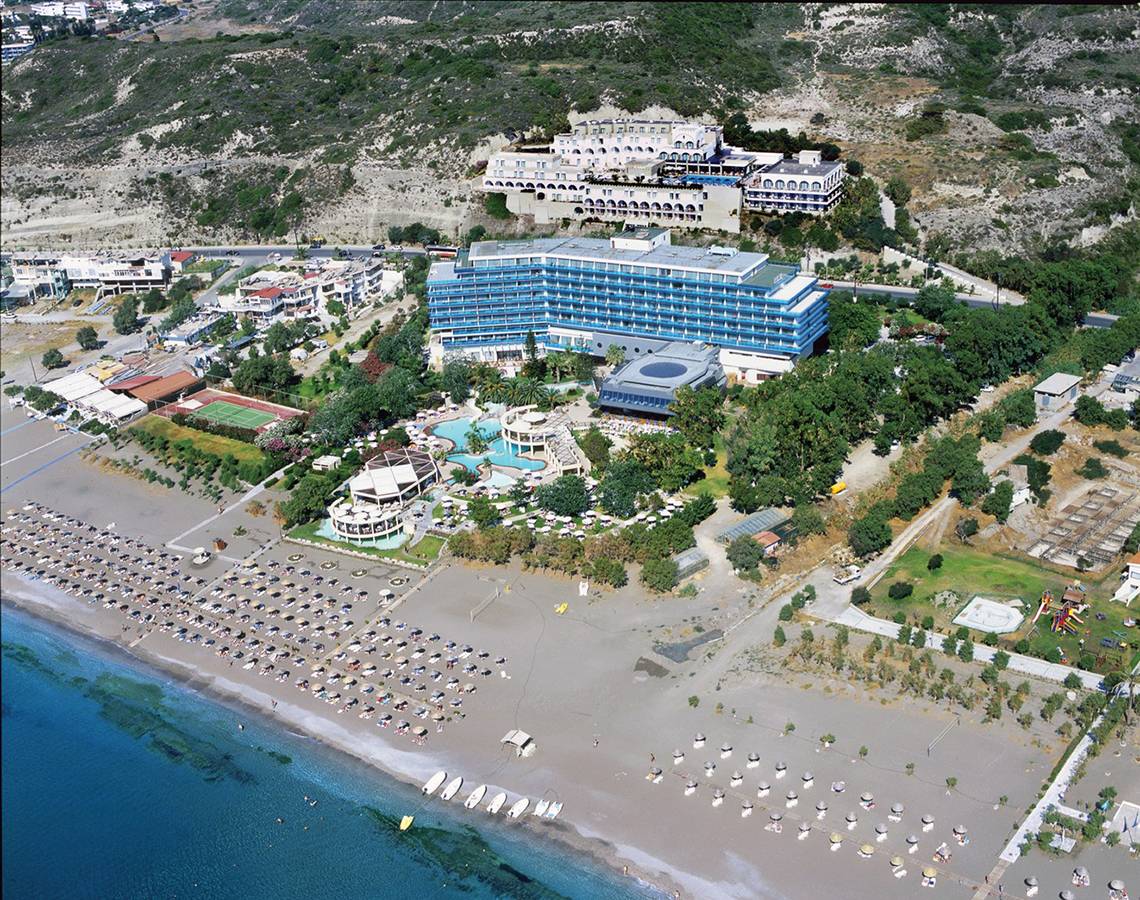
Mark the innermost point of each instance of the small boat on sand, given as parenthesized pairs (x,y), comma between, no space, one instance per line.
(434,782)
(496,803)
(540,808)
(452,788)
(519,808)
(554,810)
(476,797)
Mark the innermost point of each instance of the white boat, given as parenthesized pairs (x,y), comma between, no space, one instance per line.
(519,808)
(476,797)
(496,803)
(434,782)
(554,810)
(452,788)
(540,808)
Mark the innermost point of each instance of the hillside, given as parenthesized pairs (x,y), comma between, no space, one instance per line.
(265,117)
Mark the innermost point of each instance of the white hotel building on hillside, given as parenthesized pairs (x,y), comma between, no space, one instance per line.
(121,273)
(655,172)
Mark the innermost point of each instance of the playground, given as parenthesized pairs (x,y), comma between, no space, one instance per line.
(1086,629)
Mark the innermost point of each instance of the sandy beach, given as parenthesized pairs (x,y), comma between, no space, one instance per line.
(604,708)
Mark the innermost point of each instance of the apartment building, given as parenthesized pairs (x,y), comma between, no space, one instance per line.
(636,290)
(57,10)
(301,292)
(109,275)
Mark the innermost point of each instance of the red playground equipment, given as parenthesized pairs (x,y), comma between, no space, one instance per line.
(1066,616)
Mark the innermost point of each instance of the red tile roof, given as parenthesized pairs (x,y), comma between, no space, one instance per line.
(270,293)
(166,386)
(181,256)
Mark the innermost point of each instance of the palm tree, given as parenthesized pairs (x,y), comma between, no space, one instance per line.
(615,356)
(559,363)
(499,391)
(527,391)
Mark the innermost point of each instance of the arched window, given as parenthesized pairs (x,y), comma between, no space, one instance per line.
(780,183)
(767,182)
(689,145)
(662,155)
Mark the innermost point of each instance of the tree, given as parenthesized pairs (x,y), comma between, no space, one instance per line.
(263,375)
(966,528)
(934,563)
(615,356)
(396,392)
(869,534)
(53,359)
(745,554)
(659,575)
(624,481)
(698,415)
(87,338)
(126,318)
(565,496)
(1046,443)
(997,503)
(596,447)
(1019,408)
(854,168)
(475,441)
(900,590)
(935,300)
(309,498)
(483,512)
(806,519)
(966,651)
(1001,660)
(455,379)
(860,596)
(153,301)
(851,325)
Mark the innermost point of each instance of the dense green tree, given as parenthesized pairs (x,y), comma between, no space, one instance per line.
(483,512)
(869,534)
(659,575)
(851,325)
(126,317)
(567,495)
(264,375)
(455,379)
(615,356)
(667,457)
(396,392)
(624,481)
(745,554)
(87,338)
(308,499)
(596,447)
(53,359)
(998,502)
(935,300)
(698,415)
(898,190)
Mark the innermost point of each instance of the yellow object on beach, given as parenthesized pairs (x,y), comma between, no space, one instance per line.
(838,488)
(406,822)
(561,608)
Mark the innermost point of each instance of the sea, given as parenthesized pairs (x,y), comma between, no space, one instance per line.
(119,782)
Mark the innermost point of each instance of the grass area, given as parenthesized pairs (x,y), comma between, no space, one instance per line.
(425,552)
(211,267)
(204,441)
(968,572)
(715,480)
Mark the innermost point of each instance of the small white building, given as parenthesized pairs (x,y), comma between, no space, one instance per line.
(326,463)
(1057,391)
(1129,588)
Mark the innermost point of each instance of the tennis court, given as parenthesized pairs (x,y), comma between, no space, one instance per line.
(222,412)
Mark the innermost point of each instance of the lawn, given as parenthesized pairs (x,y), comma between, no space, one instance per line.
(715,480)
(204,441)
(423,553)
(969,572)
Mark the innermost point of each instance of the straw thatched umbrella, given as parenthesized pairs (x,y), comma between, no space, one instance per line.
(896,862)
(725,750)
(866,851)
(792,797)
(836,838)
(912,840)
(678,757)
(698,740)
(880,832)
(929,872)
(762,789)
(927,822)
(805,830)
(776,816)
(959,830)
(897,809)
(808,779)
(753,760)
(745,809)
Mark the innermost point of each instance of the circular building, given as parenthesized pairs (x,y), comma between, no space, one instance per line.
(648,385)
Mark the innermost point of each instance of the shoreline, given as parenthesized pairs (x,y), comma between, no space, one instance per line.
(298,722)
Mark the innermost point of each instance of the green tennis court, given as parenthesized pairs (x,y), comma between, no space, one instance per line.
(222,412)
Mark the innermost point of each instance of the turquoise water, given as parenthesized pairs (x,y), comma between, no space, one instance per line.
(455,430)
(325,530)
(119,783)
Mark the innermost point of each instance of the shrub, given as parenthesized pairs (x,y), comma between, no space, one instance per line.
(744,554)
(860,596)
(999,500)
(659,575)
(900,590)
(1112,448)
(934,563)
(778,637)
(785,613)
(53,359)
(1093,468)
(870,534)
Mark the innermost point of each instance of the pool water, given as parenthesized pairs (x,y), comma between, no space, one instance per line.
(388,543)
(455,430)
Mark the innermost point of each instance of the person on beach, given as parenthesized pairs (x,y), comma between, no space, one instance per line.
(595,743)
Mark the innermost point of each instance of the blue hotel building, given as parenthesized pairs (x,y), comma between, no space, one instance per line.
(636,290)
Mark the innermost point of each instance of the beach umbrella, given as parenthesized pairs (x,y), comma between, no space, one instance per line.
(781,767)
(896,861)
(880,828)
(1067,895)
(866,797)
(807,778)
(698,740)
(929,872)
(753,760)
(736,779)
(839,786)
(959,830)
(866,850)
(710,767)
(763,788)
(805,828)
(821,806)
(897,809)
(678,757)
(1031,881)
(836,838)
(725,749)
(791,796)
(851,818)
(912,840)
(690,786)
(655,772)
(927,822)
(1115,885)
(1081,872)
(745,809)
(776,816)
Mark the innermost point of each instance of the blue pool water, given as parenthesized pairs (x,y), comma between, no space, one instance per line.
(455,430)
(710,179)
(121,783)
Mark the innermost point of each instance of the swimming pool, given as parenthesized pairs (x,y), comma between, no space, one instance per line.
(455,430)
(711,179)
(389,543)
